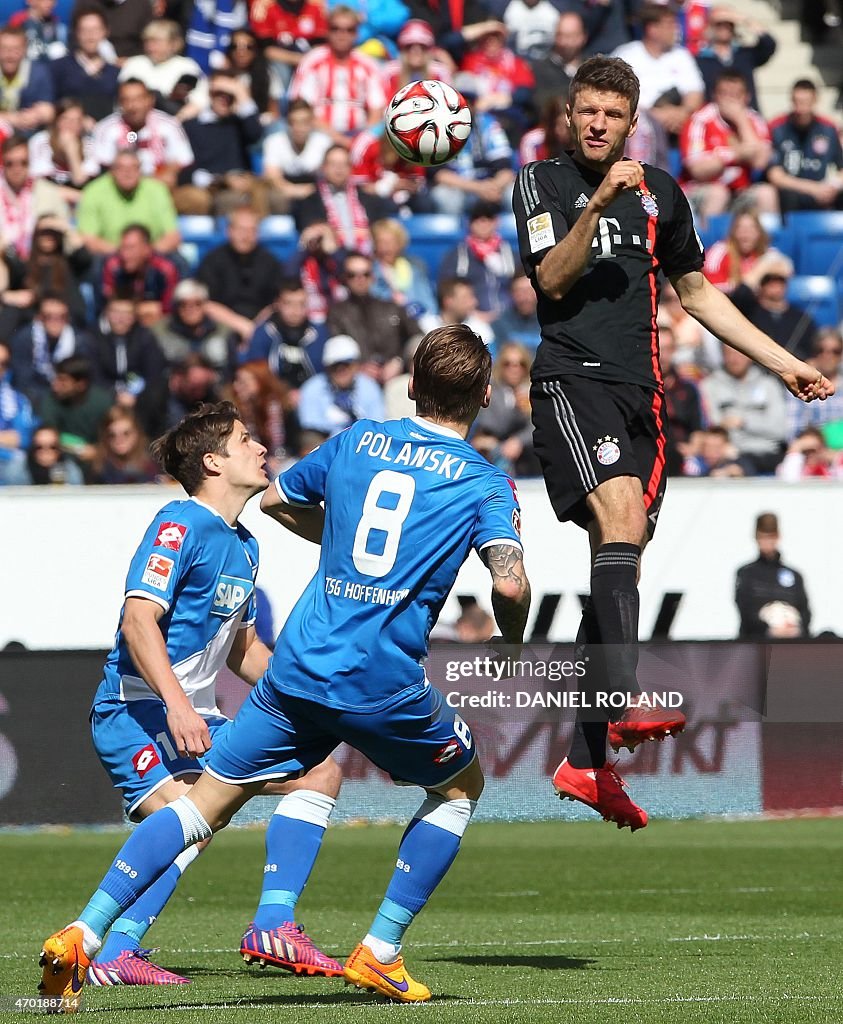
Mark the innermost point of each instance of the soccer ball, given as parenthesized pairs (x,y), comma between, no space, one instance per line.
(427,123)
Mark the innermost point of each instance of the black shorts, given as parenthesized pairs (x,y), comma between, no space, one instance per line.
(588,431)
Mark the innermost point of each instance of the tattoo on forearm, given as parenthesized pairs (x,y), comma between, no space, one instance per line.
(504,562)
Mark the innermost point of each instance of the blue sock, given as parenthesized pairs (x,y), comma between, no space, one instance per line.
(128,931)
(293,839)
(145,855)
(427,850)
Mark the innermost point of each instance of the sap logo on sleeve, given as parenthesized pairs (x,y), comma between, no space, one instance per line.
(146,758)
(230,594)
(170,535)
(157,572)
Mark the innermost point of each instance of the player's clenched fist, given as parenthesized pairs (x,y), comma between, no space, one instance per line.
(625,174)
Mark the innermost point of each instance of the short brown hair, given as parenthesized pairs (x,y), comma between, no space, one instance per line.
(767,522)
(606,74)
(180,451)
(451,372)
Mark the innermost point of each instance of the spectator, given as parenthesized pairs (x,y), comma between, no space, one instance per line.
(711,453)
(725,52)
(503,432)
(398,278)
(793,328)
(683,405)
(122,197)
(377,168)
(220,177)
(339,396)
(26,87)
(288,29)
(458,305)
(416,59)
(485,259)
(649,143)
(264,407)
(518,323)
(318,263)
(696,351)
(63,153)
(805,148)
(22,200)
(17,423)
(127,359)
(46,463)
(347,209)
(192,382)
(553,72)
(39,347)
(745,256)
(125,20)
(672,87)
(808,457)
(58,262)
(138,271)
(723,145)
(342,84)
(747,401)
(608,23)
(46,35)
(209,28)
(482,170)
(176,81)
(122,452)
(241,275)
(455,28)
(771,597)
(75,407)
(550,137)
(192,330)
(287,340)
(293,157)
(249,66)
(87,72)
(158,139)
(396,395)
(381,328)
(380,24)
(828,358)
(532,26)
(505,81)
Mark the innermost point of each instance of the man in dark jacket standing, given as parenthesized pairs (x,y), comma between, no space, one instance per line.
(771,596)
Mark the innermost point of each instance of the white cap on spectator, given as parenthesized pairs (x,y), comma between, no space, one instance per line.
(416,31)
(342,348)
(190,289)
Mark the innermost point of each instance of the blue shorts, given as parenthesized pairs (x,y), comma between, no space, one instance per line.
(136,749)
(421,740)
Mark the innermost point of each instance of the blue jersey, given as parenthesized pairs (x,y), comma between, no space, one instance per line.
(405,502)
(202,573)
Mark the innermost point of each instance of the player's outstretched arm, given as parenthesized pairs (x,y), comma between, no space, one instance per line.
(715,311)
(510,590)
(307,522)
(248,656)
(145,643)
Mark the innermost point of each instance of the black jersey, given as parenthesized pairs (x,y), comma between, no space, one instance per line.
(605,326)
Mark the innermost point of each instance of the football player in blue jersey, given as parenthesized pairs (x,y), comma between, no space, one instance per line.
(189,609)
(397,507)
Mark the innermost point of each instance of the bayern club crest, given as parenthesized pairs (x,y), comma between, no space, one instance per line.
(648,201)
(607,450)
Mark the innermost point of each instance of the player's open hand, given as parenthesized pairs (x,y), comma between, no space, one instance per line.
(189,731)
(623,175)
(807,383)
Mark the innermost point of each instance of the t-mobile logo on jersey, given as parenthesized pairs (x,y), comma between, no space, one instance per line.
(609,235)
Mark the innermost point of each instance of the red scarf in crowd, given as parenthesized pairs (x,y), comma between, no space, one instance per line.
(359,240)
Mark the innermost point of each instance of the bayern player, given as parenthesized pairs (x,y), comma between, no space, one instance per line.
(404,503)
(189,609)
(596,232)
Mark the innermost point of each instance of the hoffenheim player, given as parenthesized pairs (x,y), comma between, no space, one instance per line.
(189,608)
(404,504)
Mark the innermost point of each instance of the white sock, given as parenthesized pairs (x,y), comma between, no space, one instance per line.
(91,942)
(385,952)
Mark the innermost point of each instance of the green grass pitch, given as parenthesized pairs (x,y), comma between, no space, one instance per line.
(684,922)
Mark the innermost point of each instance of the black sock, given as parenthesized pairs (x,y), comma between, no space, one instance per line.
(614,593)
(588,747)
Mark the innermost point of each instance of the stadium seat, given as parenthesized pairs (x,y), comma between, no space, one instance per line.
(781,235)
(278,233)
(819,242)
(817,296)
(431,236)
(199,235)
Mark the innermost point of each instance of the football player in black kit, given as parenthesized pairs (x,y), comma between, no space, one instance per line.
(596,231)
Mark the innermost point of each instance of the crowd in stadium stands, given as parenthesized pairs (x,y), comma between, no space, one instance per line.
(123,123)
